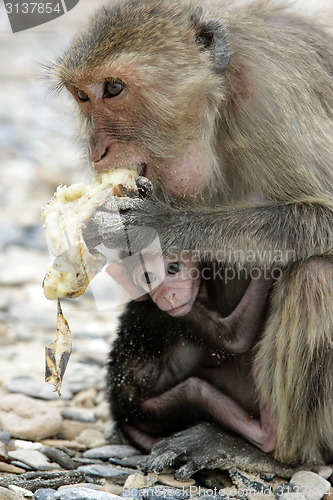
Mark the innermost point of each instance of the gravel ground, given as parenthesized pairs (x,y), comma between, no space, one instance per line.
(39,150)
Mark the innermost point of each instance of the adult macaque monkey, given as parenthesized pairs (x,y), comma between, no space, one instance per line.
(230,115)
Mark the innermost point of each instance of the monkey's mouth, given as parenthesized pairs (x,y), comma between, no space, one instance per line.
(180,310)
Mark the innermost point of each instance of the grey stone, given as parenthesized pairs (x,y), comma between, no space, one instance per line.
(84,494)
(78,414)
(111,451)
(113,473)
(44,494)
(5,437)
(60,457)
(33,458)
(35,388)
(313,486)
(134,461)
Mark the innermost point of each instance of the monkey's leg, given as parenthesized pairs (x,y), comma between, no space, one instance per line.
(236,332)
(212,403)
(294,362)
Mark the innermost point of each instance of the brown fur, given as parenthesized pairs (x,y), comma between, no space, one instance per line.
(265,126)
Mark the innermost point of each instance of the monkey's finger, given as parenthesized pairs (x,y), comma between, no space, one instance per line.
(158,462)
(120,204)
(187,470)
(144,186)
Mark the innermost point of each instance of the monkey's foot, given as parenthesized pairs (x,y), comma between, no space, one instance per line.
(206,446)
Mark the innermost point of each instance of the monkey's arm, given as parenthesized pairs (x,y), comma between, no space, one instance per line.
(262,235)
(236,332)
(217,406)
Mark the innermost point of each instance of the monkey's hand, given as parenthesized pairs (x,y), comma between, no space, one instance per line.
(207,446)
(111,224)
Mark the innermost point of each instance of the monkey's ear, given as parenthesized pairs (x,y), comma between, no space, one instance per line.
(210,35)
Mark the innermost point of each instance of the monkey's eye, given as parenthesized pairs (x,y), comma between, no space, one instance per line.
(113,88)
(174,267)
(148,277)
(82,95)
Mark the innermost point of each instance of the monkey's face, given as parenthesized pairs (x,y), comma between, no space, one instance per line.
(148,79)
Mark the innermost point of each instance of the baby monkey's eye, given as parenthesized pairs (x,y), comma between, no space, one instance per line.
(148,277)
(174,267)
(113,88)
(82,95)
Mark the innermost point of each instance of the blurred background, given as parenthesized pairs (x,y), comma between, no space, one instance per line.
(38,151)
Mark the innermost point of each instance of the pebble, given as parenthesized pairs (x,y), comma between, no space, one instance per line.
(70,429)
(137,481)
(63,443)
(135,461)
(34,459)
(6,494)
(59,457)
(114,473)
(111,451)
(10,468)
(91,438)
(21,491)
(169,480)
(81,415)
(20,444)
(44,494)
(84,494)
(311,485)
(26,418)
(35,388)
(5,437)
(324,471)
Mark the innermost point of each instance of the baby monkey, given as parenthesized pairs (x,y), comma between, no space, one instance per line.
(181,362)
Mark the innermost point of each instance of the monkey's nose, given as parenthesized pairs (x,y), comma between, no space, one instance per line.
(98,151)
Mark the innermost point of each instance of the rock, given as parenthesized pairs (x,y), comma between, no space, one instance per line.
(324,471)
(59,457)
(35,388)
(63,443)
(111,451)
(169,480)
(21,444)
(70,429)
(91,438)
(45,494)
(86,398)
(81,415)
(35,459)
(84,494)
(26,418)
(114,474)
(137,481)
(313,486)
(5,437)
(135,461)
(10,468)
(3,452)
(6,494)
(21,491)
